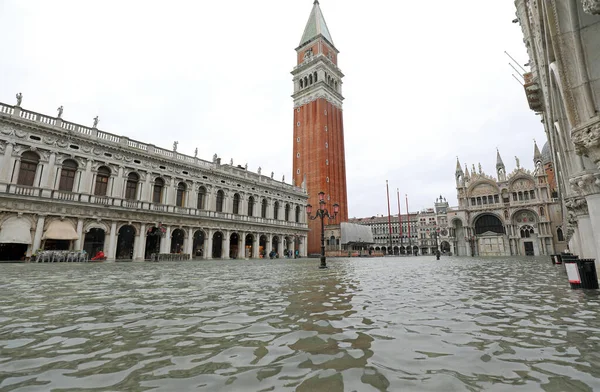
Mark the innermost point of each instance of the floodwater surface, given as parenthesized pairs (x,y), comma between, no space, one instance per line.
(380,324)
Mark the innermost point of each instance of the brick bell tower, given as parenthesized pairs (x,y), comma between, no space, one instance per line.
(319,157)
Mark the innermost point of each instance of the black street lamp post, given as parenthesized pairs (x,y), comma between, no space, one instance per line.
(322,213)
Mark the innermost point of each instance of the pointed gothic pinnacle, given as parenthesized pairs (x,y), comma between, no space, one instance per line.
(458,167)
(499,162)
(536,151)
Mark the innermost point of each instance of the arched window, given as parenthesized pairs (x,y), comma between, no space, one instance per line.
(220,199)
(263,209)
(236,203)
(514,196)
(287,212)
(201,204)
(29,164)
(310,80)
(157,191)
(301,83)
(560,235)
(487,223)
(532,193)
(276,210)
(131,186)
(316,78)
(181,190)
(526,231)
(297,214)
(542,211)
(67,175)
(251,206)
(101,186)
(305,81)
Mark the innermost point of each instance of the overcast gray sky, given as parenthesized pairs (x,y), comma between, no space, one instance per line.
(425,82)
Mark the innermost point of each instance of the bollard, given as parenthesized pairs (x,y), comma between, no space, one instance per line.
(587,272)
(553,259)
(581,272)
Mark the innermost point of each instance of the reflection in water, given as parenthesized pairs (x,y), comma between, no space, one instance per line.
(362,325)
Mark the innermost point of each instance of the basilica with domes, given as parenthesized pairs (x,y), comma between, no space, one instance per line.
(509,213)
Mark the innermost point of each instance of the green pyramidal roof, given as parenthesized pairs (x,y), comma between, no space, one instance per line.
(315,26)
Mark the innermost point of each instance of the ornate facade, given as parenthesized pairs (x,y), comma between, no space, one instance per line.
(66,186)
(507,214)
(562,38)
(319,157)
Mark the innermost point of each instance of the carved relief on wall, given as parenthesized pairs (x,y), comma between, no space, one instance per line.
(591,6)
(587,141)
(483,190)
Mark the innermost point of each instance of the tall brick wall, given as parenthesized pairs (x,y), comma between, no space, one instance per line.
(319,155)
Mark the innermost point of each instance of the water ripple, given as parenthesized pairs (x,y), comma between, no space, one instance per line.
(363,325)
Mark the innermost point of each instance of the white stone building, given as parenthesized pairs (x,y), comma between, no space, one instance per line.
(562,38)
(66,186)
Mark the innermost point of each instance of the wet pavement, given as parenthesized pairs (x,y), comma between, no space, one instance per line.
(381,324)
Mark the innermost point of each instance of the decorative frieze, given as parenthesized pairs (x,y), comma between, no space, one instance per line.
(586,184)
(591,6)
(587,141)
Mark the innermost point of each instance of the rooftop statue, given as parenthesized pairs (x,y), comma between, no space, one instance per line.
(60,111)
(196,153)
(19,99)
(96,120)
(175,144)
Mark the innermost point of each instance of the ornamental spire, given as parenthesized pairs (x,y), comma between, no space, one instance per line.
(458,167)
(316,26)
(499,162)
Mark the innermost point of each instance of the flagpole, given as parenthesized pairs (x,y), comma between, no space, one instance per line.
(399,217)
(389,213)
(408,223)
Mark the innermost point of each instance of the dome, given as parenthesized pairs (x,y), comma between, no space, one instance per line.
(546,154)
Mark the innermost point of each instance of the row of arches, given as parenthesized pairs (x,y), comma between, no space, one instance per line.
(309,80)
(95,241)
(28,170)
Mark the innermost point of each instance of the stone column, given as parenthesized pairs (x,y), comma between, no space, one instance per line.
(138,253)
(189,242)
(86,179)
(112,242)
(165,243)
(56,180)
(77,181)
(39,231)
(209,244)
(255,245)
(118,184)
(79,242)
(39,179)
(241,246)
(226,244)
(15,177)
(47,180)
(7,163)
(269,243)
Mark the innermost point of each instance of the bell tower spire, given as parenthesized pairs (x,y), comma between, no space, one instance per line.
(318,137)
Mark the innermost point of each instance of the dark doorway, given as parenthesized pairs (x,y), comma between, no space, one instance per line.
(262,246)
(57,245)
(198,247)
(529,248)
(152,242)
(249,251)
(276,245)
(177,239)
(94,241)
(217,249)
(12,252)
(125,243)
(234,241)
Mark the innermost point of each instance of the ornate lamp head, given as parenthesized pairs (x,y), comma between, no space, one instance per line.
(308,209)
(336,208)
